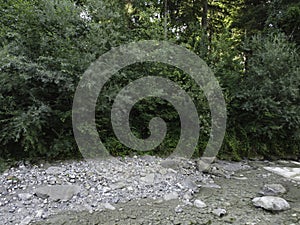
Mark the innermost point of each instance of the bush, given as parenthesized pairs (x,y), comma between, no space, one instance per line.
(267,106)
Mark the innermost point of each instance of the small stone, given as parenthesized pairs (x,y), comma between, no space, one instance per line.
(199,204)
(271,203)
(171,196)
(219,212)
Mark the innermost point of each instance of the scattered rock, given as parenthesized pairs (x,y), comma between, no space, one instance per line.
(102,184)
(272,190)
(271,203)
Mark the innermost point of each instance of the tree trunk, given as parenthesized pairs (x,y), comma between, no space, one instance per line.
(204,15)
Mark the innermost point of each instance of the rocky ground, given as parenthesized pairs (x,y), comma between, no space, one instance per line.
(150,190)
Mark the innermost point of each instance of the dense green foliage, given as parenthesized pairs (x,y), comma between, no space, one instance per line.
(45,47)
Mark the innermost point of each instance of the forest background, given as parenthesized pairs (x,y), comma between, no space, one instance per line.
(252,46)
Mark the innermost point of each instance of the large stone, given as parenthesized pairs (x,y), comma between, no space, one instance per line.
(57,192)
(271,203)
(272,190)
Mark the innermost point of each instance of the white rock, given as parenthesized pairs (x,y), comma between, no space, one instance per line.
(271,203)
(199,204)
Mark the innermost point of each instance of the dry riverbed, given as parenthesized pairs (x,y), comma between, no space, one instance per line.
(148,190)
